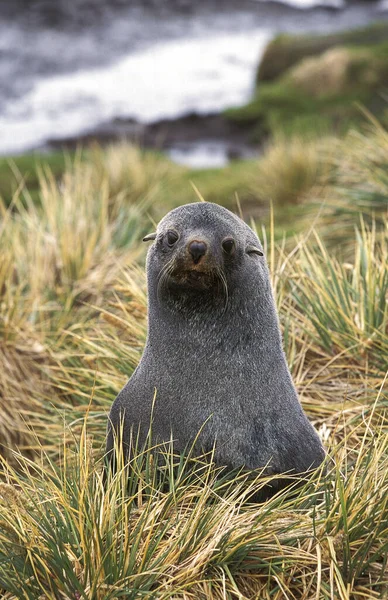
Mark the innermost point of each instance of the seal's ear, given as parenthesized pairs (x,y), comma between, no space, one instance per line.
(149,237)
(254,250)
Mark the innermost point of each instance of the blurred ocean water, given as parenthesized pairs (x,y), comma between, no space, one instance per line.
(166,80)
(67,67)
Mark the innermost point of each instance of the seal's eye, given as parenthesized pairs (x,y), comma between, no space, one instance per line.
(172,237)
(228,245)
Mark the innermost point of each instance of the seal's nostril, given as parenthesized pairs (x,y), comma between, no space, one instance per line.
(197,250)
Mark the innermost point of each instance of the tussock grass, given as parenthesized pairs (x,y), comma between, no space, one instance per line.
(290,168)
(328,182)
(132,173)
(21,351)
(347,302)
(360,182)
(178,530)
(60,257)
(72,329)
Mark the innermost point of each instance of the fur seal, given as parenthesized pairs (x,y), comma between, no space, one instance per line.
(213,357)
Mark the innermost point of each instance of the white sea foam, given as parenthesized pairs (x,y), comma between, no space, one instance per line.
(167,80)
(305,4)
(212,154)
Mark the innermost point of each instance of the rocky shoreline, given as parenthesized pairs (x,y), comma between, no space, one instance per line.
(184,132)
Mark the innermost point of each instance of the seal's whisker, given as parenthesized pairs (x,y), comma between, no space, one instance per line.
(222,278)
(164,269)
(163,276)
(161,281)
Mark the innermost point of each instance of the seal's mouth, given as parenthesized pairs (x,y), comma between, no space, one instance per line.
(177,276)
(195,277)
(189,281)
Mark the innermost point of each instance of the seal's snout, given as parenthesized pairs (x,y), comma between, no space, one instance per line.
(197,249)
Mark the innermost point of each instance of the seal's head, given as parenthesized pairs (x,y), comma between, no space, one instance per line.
(199,249)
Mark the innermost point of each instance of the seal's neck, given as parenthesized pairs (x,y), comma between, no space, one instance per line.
(213,321)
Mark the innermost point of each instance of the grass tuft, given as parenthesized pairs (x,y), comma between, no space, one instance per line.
(181,528)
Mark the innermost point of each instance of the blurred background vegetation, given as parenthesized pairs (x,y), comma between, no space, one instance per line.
(73,324)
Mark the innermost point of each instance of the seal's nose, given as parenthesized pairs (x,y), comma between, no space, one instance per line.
(197,250)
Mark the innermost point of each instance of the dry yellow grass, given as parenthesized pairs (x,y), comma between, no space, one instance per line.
(291,168)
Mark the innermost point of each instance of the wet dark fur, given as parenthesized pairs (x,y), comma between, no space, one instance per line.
(214,353)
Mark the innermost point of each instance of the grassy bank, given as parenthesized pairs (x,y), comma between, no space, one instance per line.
(285,51)
(316,84)
(72,329)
